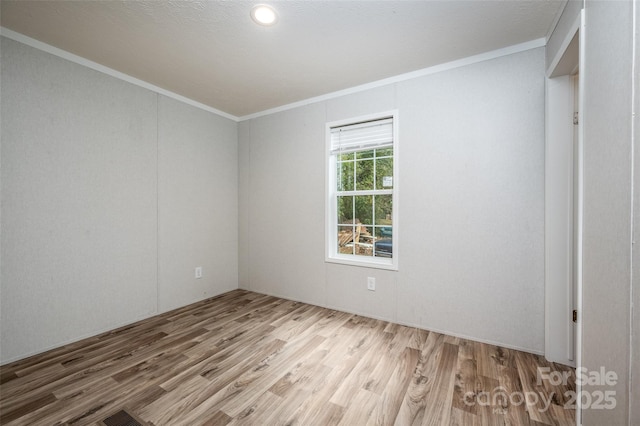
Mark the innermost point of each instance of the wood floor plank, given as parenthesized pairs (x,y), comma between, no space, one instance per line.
(219,387)
(418,338)
(217,419)
(327,414)
(244,358)
(463,418)
(528,373)
(66,409)
(386,411)
(413,407)
(510,382)
(439,400)
(259,409)
(316,409)
(299,374)
(220,360)
(381,374)
(361,410)
(178,403)
(359,376)
(262,382)
(115,362)
(467,384)
(294,395)
(27,407)
(491,406)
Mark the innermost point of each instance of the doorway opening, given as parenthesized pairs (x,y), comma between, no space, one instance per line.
(564,202)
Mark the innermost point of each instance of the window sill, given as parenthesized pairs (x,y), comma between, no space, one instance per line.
(376,263)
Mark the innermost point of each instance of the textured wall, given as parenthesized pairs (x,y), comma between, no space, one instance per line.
(286,205)
(471,203)
(608,149)
(80,200)
(197,204)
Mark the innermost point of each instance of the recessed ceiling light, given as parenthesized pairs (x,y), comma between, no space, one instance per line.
(264,15)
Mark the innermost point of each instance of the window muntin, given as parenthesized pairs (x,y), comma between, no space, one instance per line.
(362,225)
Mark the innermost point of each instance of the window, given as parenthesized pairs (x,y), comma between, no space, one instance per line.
(362,191)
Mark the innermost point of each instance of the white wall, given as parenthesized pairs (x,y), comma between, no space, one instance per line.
(472,204)
(286,207)
(197,204)
(100,178)
(607,247)
(244,134)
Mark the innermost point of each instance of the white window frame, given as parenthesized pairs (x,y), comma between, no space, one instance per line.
(331,220)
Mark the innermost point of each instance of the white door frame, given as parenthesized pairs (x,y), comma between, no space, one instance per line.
(564,213)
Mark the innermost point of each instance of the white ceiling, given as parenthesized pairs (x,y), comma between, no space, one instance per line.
(212,52)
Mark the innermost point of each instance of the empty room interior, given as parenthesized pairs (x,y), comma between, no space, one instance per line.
(319,212)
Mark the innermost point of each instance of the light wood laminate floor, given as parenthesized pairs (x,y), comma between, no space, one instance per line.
(244,358)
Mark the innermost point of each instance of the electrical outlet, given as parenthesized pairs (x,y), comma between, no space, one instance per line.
(199,272)
(371,283)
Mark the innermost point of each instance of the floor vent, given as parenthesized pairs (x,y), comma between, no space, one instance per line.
(122,418)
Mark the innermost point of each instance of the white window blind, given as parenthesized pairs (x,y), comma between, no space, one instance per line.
(362,136)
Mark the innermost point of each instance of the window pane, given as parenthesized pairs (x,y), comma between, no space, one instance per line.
(345,176)
(345,210)
(386,152)
(361,162)
(364,240)
(345,157)
(345,239)
(364,209)
(383,232)
(384,210)
(364,175)
(365,154)
(384,173)
(364,249)
(383,245)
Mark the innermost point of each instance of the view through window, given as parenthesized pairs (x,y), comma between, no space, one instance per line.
(365,202)
(362,192)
